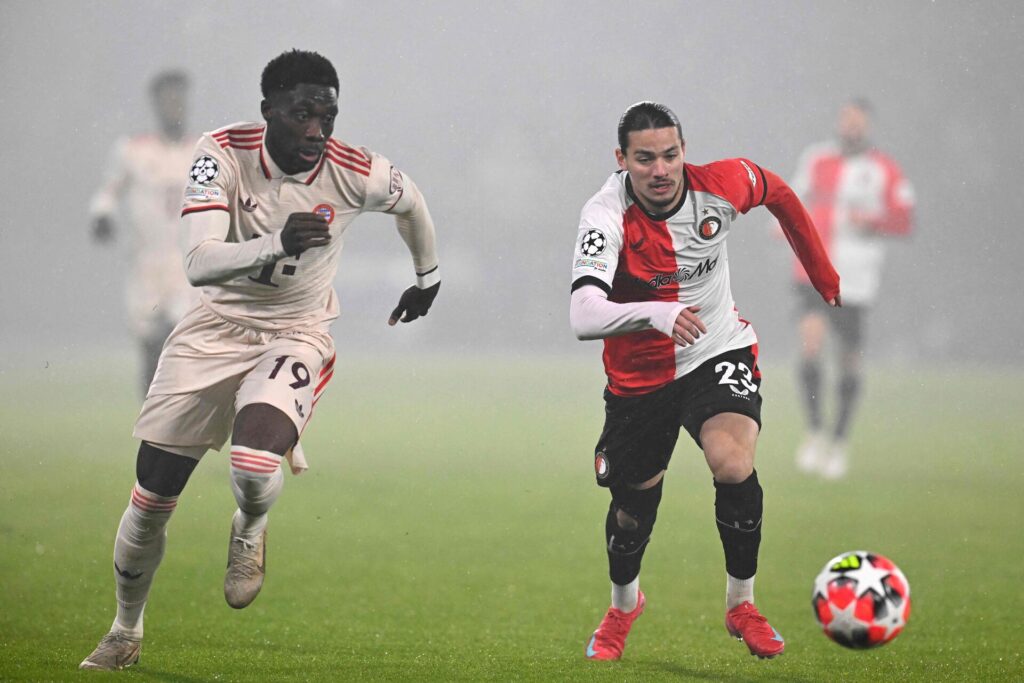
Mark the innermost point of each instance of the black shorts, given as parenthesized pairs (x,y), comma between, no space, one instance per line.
(640,432)
(847,321)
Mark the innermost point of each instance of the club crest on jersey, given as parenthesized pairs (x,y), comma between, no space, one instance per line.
(204,170)
(709,227)
(325,210)
(396,181)
(601,466)
(593,243)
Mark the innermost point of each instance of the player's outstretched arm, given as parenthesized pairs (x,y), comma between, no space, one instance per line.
(802,236)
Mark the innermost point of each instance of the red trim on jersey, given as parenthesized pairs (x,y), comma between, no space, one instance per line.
(754,350)
(358,169)
(314,174)
(357,155)
(209,207)
(898,216)
(328,366)
(233,145)
(263,165)
(640,362)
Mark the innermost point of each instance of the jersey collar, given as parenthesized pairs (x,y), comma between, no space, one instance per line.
(671,212)
(271,171)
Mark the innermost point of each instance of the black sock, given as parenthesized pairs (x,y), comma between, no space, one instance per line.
(810,381)
(626,546)
(738,509)
(849,392)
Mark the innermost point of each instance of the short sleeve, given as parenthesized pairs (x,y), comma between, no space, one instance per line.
(210,180)
(385,186)
(598,241)
(740,181)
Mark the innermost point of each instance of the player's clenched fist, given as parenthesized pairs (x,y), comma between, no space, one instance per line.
(304,231)
(688,326)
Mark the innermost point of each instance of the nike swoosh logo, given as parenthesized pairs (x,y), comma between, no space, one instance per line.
(125,573)
(778,636)
(637,244)
(591,652)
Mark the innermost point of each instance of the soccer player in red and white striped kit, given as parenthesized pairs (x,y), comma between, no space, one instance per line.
(651,278)
(859,199)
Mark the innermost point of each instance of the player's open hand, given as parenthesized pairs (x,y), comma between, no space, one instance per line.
(304,231)
(688,326)
(413,303)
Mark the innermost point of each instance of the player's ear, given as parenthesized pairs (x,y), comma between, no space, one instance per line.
(266,109)
(621,158)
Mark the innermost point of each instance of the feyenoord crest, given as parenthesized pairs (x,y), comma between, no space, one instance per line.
(204,170)
(593,243)
(709,227)
(325,210)
(601,466)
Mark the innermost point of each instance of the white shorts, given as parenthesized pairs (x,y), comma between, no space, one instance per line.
(211,368)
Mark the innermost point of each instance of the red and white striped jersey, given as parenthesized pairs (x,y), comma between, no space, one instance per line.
(232,172)
(842,192)
(681,257)
(142,193)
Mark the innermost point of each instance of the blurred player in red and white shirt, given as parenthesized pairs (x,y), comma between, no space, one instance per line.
(141,195)
(651,277)
(266,208)
(859,200)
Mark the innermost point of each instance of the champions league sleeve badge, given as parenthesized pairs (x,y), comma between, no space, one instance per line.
(204,170)
(593,243)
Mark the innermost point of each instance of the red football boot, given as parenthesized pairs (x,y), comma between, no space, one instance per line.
(745,623)
(609,640)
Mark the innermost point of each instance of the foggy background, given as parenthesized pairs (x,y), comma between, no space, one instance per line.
(505,116)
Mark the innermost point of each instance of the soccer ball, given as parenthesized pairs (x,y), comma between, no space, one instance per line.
(861,599)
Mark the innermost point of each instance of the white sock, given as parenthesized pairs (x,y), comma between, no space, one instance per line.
(738,591)
(138,549)
(256,480)
(624,598)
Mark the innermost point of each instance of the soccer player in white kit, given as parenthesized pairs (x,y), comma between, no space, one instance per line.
(651,278)
(266,208)
(141,195)
(859,200)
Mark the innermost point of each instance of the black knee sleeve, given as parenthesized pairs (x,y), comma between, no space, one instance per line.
(163,473)
(626,546)
(738,509)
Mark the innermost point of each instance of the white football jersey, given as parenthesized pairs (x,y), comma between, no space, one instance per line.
(142,194)
(232,172)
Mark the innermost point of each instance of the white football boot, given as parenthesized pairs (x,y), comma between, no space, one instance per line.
(810,457)
(115,652)
(836,465)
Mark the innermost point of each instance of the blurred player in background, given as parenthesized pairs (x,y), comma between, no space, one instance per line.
(266,207)
(651,278)
(141,196)
(858,199)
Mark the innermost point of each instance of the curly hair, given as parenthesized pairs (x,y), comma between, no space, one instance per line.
(294,67)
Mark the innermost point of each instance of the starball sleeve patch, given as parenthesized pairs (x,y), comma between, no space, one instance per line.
(593,243)
(204,170)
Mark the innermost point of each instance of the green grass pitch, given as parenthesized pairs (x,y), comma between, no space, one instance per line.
(450,529)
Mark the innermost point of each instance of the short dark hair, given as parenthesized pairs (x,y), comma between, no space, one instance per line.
(644,116)
(862,103)
(294,67)
(168,78)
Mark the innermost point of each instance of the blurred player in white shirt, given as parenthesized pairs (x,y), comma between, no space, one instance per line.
(266,208)
(859,200)
(141,198)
